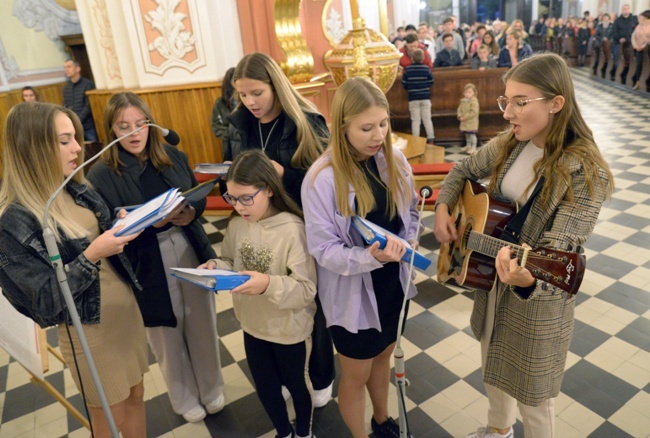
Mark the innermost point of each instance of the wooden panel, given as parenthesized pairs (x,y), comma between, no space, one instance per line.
(445,98)
(49,93)
(186,109)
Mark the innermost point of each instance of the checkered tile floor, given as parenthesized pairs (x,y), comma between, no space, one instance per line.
(607,383)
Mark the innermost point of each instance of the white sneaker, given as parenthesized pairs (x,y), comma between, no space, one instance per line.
(488,432)
(322,396)
(285,393)
(216,406)
(464,148)
(195,414)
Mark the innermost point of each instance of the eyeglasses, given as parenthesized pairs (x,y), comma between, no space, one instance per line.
(124,128)
(519,104)
(246,200)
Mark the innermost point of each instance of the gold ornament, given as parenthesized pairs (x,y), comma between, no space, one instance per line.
(364,52)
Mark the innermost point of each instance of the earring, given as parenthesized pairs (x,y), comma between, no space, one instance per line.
(550,112)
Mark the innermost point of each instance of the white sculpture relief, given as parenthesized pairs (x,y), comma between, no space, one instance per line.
(334,25)
(173,43)
(47,16)
(9,64)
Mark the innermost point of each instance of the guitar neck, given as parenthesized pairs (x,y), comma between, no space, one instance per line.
(490,246)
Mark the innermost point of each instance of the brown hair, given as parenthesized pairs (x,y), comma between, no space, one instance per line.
(417,56)
(569,134)
(262,67)
(154,149)
(32,162)
(253,168)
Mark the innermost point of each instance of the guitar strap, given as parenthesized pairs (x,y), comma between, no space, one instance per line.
(512,231)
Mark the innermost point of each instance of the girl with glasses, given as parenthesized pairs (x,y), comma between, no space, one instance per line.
(273,117)
(266,240)
(180,317)
(361,287)
(549,139)
(42,146)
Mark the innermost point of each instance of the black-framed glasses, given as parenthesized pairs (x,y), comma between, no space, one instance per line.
(246,200)
(124,128)
(518,104)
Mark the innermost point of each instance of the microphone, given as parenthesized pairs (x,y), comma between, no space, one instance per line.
(170,136)
(426,192)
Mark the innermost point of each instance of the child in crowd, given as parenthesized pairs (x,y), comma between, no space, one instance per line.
(483,59)
(266,240)
(468,115)
(417,81)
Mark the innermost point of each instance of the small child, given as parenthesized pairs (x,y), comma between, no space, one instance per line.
(417,80)
(276,307)
(468,116)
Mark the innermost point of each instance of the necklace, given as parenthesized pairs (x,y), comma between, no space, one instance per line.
(262,142)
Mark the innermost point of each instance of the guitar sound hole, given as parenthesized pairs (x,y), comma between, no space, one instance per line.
(466,233)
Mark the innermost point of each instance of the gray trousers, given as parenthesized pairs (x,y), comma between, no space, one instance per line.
(539,421)
(421,113)
(188,354)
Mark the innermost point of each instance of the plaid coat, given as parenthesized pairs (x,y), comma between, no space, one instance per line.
(531,337)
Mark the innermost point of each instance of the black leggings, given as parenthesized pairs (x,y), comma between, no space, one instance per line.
(273,365)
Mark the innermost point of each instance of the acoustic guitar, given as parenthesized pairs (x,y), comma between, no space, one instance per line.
(469,260)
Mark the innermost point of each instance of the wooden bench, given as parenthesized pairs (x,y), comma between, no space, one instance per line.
(446,93)
(430,174)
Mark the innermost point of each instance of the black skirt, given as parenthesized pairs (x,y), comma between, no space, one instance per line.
(389,291)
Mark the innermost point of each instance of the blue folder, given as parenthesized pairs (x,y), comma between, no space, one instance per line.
(372,233)
(211,279)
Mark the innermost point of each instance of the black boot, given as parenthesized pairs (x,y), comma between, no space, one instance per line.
(603,72)
(624,75)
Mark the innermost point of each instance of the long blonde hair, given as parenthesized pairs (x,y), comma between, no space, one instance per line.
(352,98)
(261,67)
(32,163)
(569,134)
(154,150)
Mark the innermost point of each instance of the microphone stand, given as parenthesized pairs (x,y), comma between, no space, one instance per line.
(55,259)
(400,370)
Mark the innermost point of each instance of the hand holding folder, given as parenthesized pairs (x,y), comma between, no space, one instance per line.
(372,233)
(144,215)
(212,279)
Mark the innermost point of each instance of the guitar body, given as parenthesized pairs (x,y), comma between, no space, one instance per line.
(469,260)
(474,211)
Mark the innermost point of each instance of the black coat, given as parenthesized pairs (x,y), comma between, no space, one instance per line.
(243,136)
(144,252)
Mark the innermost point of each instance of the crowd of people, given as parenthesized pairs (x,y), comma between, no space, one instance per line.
(625,34)
(295,186)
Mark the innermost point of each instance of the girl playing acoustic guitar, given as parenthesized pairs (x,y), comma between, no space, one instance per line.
(547,138)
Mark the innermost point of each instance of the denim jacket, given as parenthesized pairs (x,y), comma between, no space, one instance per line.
(27,277)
